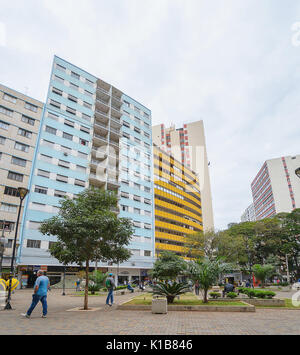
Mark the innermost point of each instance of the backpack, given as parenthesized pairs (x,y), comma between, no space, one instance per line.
(108,283)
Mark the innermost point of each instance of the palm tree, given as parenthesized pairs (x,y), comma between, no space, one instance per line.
(207,273)
(170,291)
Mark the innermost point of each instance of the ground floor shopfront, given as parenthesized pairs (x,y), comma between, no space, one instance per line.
(27,274)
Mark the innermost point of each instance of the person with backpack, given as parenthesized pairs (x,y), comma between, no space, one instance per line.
(110,285)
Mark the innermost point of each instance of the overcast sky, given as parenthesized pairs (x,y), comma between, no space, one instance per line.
(232,63)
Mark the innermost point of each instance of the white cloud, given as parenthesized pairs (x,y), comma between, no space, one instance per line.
(230,63)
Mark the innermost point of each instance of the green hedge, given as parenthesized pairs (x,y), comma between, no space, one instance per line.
(215,295)
(251,293)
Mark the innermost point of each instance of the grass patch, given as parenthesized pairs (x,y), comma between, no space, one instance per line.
(288,304)
(185,300)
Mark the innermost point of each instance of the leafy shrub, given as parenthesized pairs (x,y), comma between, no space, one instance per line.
(215,295)
(170,291)
(251,293)
(94,288)
(231,295)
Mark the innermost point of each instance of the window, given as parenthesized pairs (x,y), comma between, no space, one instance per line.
(7,207)
(28,120)
(46,158)
(53,116)
(86,117)
(126,135)
(41,190)
(60,67)
(88,93)
(147,252)
(80,169)
(34,225)
(38,206)
(73,86)
(59,79)
(89,82)
(87,105)
(47,143)
(51,244)
(125,208)
(15,176)
(72,98)
(126,124)
(137,211)
(31,107)
(82,155)
(51,130)
(137,198)
(18,161)
(126,103)
(137,109)
(75,75)
(79,183)
(137,186)
(57,91)
(148,213)
(62,178)
(60,194)
(85,129)
(67,136)
(147,189)
(34,244)
(137,130)
(137,140)
(4,125)
(22,132)
(22,147)
(55,103)
(137,224)
(135,252)
(2,140)
(69,123)
(43,173)
(124,194)
(83,142)
(147,201)
(6,111)
(10,98)
(11,191)
(64,164)
(147,226)
(71,110)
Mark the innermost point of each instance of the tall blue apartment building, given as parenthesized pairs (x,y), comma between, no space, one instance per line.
(91,134)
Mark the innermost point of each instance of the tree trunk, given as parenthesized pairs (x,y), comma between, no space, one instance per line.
(205,300)
(86,290)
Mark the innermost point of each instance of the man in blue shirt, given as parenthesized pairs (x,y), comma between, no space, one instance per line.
(41,288)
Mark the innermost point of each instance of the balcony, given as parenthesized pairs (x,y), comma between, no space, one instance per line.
(98,163)
(100,139)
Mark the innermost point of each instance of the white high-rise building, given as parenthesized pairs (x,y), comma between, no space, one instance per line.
(249,214)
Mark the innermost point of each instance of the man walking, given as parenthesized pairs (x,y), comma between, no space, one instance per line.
(41,288)
(110,285)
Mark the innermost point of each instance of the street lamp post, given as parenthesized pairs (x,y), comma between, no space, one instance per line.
(64,282)
(22,194)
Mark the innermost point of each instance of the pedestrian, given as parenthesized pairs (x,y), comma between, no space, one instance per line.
(110,285)
(41,287)
(78,285)
(197,287)
(129,287)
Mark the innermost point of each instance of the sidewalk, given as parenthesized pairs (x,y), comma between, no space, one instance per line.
(110,321)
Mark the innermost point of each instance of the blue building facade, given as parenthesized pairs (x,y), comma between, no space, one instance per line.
(87,129)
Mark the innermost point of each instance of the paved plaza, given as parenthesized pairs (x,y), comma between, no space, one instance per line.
(110,321)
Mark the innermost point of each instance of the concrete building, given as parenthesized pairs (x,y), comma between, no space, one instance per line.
(87,126)
(20,117)
(188,145)
(276,187)
(249,214)
(178,210)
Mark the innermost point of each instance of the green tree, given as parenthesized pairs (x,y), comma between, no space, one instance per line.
(87,230)
(168,266)
(98,278)
(207,273)
(262,272)
(202,244)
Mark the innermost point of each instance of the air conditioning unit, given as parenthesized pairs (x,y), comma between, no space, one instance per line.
(132,264)
(65,154)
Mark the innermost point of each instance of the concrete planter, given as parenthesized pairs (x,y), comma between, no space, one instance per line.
(258,301)
(159,306)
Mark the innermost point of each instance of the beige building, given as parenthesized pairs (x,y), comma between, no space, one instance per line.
(20,118)
(188,145)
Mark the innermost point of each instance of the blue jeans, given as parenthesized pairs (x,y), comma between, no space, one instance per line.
(110,296)
(35,301)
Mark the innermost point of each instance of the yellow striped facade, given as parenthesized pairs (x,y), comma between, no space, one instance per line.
(178,209)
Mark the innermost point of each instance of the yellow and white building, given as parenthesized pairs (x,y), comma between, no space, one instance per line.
(178,210)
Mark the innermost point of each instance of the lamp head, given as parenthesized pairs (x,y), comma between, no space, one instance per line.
(298,172)
(22,192)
